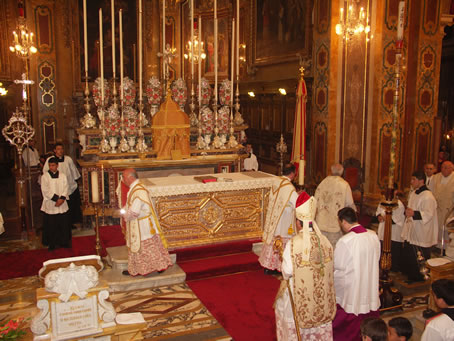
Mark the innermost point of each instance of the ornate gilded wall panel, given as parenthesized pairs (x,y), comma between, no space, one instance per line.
(423,139)
(323,14)
(319,153)
(321,79)
(46,86)
(426,80)
(430,15)
(391,14)
(44,29)
(206,218)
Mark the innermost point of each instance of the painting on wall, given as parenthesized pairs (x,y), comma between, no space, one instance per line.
(282,29)
(223,47)
(129,37)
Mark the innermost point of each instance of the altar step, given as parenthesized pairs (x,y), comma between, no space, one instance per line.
(220,265)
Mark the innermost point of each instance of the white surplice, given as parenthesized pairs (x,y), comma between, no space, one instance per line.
(30,156)
(398,218)
(423,232)
(440,328)
(53,188)
(69,169)
(251,163)
(356,272)
(332,194)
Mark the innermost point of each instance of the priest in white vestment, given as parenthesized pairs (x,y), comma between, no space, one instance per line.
(56,227)
(332,194)
(280,218)
(398,219)
(441,326)
(146,244)
(307,269)
(420,229)
(442,187)
(66,165)
(356,277)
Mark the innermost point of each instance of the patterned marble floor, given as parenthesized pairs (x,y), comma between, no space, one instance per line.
(172,312)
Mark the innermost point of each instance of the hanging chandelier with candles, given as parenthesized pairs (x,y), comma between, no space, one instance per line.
(23,45)
(195,50)
(354,21)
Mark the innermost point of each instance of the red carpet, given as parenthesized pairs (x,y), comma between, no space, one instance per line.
(221,265)
(28,263)
(242,303)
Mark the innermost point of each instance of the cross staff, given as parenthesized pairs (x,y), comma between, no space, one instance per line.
(24,81)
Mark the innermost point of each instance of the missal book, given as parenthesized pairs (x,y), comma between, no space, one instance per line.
(206,178)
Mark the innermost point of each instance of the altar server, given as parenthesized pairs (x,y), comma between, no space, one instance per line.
(420,229)
(280,218)
(30,155)
(441,327)
(147,250)
(66,165)
(250,163)
(356,271)
(307,266)
(56,228)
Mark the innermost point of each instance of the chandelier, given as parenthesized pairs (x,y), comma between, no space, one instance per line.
(353,22)
(23,39)
(197,43)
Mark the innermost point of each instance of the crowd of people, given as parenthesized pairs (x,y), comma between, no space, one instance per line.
(330,263)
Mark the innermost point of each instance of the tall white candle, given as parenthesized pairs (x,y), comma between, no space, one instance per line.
(192,41)
(102,183)
(200,60)
(232,63)
(101,57)
(237,39)
(301,172)
(94,187)
(215,53)
(400,22)
(140,51)
(85,37)
(163,36)
(112,8)
(120,21)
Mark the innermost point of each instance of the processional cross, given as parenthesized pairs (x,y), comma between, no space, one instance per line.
(24,81)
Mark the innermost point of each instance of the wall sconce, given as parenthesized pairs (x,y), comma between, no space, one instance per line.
(282,91)
(242,56)
(251,94)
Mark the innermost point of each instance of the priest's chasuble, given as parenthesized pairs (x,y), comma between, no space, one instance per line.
(144,238)
(308,266)
(279,221)
(333,194)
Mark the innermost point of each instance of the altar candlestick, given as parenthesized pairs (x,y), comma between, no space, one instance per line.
(102,183)
(232,62)
(200,61)
(237,39)
(301,172)
(101,57)
(400,24)
(163,37)
(140,52)
(112,7)
(120,20)
(94,187)
(85,38)
(192,41)
(215,53)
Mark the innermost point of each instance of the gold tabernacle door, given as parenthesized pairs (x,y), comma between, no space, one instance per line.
(193,213)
